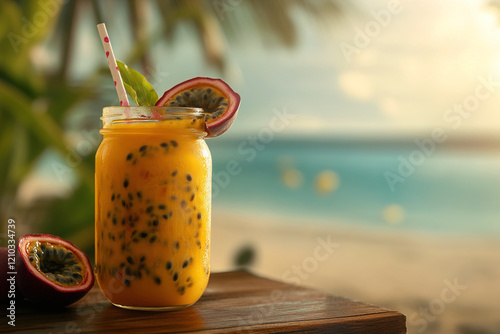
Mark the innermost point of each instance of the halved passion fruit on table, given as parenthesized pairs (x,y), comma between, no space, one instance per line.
(52,271)
(219,102)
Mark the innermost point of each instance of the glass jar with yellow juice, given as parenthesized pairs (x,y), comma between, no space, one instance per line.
(153,202)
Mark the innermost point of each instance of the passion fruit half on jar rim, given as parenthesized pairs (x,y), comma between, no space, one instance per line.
(219,102)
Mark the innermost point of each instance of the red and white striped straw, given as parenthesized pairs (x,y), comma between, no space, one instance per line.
(113,67)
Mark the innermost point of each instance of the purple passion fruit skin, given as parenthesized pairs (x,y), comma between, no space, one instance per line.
(52,271)
(218,101)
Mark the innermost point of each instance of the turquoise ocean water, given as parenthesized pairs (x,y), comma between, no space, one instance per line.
(456,189)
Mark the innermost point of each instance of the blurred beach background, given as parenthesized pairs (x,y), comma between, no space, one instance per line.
(364,161)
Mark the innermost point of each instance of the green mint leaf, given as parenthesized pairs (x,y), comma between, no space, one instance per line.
(131,92)
(139,89)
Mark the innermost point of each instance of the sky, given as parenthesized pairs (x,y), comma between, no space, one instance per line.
(386,68)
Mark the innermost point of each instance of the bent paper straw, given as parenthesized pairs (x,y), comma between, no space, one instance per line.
(113,67)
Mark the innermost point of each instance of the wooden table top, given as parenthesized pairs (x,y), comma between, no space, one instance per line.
(234,302)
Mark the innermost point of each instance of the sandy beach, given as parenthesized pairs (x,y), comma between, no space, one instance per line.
(443,284)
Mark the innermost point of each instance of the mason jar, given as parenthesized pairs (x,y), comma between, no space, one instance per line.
(152,207)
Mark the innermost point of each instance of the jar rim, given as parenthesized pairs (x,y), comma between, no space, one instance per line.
(113,113)
(153,119)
